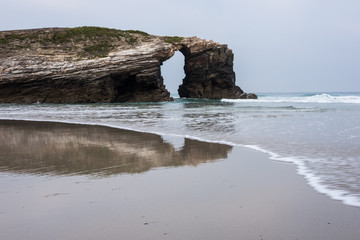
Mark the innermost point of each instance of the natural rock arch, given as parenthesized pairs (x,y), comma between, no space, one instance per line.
(57,65)
(172,71)
(208,70)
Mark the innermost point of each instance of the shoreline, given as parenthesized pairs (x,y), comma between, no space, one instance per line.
(207,191)
(313,181)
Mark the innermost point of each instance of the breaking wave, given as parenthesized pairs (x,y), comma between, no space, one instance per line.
(305,98)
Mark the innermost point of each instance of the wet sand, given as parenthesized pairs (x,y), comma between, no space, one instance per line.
(64,181)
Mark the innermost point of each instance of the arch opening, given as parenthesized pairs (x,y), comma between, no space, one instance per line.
(173,73)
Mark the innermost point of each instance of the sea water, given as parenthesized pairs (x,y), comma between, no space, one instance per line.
(319,132)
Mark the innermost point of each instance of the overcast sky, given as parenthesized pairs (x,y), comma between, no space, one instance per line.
(279,45)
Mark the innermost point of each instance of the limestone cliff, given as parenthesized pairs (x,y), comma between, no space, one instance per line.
(91,64)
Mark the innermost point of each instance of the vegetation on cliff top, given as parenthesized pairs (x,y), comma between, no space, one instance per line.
(172,40)
(88,42)
(85,33)
(74,43)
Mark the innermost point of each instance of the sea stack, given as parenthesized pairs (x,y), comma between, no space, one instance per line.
(93,64)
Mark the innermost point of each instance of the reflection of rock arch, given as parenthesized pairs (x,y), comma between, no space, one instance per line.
(63,148)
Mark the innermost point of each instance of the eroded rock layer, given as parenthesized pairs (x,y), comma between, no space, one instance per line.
(90,64)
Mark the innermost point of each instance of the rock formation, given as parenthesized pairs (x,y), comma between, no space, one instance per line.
(208,70)
(91,64)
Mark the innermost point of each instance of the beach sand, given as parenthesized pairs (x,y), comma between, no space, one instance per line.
(66,181)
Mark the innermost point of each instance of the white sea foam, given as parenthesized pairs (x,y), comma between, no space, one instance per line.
(318,98)
(314,181)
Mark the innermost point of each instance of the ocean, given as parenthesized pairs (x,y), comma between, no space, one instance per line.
(319,132)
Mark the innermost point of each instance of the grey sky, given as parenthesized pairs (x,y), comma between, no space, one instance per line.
(279,45)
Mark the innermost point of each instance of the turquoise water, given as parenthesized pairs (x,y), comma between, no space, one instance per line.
(319,132)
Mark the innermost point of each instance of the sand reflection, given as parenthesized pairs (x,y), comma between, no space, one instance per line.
(59,148)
